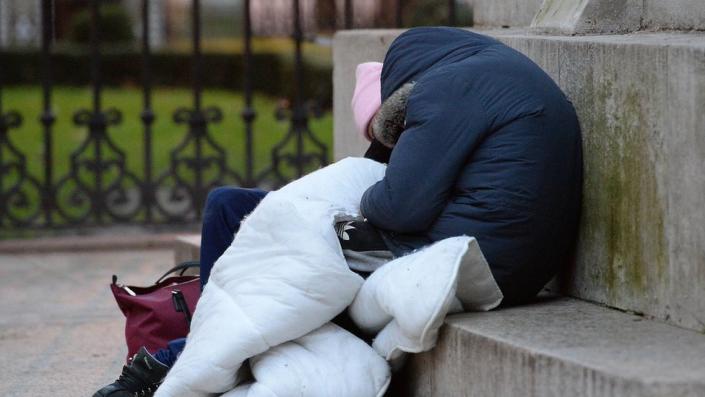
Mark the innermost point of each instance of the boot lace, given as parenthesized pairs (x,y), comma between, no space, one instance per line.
(136,384)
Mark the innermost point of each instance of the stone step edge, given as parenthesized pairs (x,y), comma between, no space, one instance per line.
(187,247)
(559,346)
(105,242)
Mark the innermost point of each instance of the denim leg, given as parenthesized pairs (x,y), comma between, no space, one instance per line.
(225,208)
(168,355)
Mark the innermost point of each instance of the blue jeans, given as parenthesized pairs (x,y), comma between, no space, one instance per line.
(225,208)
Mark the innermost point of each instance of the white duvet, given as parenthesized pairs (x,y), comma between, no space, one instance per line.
(262,325)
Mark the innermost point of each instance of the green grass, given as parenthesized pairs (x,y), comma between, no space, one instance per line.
(128,135)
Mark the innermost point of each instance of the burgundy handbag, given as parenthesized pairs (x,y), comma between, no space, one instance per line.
(160,313)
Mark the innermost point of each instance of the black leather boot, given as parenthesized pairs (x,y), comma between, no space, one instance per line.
(140,378)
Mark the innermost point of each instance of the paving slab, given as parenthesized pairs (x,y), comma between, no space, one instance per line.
(61,332)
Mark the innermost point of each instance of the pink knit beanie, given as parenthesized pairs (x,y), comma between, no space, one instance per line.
(367,97)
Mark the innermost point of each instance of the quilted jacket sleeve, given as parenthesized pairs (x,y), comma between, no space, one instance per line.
(443,126)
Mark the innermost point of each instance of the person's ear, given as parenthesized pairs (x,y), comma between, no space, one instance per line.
(370,133)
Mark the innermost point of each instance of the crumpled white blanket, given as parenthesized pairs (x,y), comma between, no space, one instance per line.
(272,294)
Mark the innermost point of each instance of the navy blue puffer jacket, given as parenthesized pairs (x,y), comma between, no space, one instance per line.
(491,149)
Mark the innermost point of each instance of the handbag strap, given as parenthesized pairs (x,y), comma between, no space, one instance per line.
(183,266)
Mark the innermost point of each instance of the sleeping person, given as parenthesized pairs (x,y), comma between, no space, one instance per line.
(479,142)
(488,146)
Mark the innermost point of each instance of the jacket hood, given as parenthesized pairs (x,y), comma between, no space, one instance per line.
(390,120)
(419,50)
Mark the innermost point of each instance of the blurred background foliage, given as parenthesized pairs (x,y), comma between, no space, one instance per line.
(115,25)
(272,70)
(222,44)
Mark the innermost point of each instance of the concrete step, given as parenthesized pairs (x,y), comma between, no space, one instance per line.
(558,347)
(107,239)
(187,247)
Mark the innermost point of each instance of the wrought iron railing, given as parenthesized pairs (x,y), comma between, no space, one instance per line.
(99,188)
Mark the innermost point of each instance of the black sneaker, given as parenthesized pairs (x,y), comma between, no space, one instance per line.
(363,246)
(141,377)
(359,236)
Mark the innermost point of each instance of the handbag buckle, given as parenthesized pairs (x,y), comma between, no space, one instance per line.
(177,297)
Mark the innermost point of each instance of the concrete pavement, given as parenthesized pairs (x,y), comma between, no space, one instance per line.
(61,333)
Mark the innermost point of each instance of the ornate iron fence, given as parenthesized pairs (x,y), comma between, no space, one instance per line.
(99,188)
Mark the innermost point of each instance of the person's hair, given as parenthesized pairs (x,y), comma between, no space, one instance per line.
(389,121)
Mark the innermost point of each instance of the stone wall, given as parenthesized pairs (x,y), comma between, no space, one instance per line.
(349,49)
(638,99)
(590,16)
(674,14)
(498,13)
(618,16)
